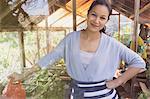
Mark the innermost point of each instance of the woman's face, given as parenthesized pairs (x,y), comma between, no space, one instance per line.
(97,18)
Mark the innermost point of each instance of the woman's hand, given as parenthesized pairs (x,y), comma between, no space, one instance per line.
(15,76)
(25,74)
(111,84)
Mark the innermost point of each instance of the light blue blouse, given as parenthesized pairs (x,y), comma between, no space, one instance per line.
(103,64)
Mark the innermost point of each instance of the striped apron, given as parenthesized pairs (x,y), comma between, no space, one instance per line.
(91,90)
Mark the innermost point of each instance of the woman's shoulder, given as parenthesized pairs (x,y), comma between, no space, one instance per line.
(109,38)
(112,40)
(72,34)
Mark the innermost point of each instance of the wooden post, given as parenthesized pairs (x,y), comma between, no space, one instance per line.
(74,14)
(0,25)
(38,44)
(136,21)
(0,17)
(135,37)
(21,45)
(65,32)
(119,28)
(47,35)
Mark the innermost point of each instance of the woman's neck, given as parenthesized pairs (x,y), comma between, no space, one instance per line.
(89,35)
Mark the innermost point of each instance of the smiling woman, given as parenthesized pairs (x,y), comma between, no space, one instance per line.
(103,11)
(97,18)
(92,57)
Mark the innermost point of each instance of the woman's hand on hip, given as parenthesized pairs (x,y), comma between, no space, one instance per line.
(111,84)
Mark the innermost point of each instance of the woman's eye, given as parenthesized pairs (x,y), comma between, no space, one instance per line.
(94,14)
(103,18)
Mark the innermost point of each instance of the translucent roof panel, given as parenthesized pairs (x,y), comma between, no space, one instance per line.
(54,17)
(67,21)
(60,13)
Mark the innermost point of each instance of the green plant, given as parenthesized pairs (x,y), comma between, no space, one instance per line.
(144,95)
(47,84)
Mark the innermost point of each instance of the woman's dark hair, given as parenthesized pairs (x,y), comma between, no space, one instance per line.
(101,2)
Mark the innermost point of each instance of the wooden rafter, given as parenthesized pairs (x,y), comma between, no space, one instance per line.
(143,21)
(117,9)
(121,11)
(34,28)
(146,7)
(81,22)
(85,6)
(123,5)
(82,2)
(69,9)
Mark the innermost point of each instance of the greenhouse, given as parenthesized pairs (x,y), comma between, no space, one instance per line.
(31,29)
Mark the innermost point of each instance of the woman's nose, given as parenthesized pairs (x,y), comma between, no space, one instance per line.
(97,20)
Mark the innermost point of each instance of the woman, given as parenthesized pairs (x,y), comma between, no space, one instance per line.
(92,58)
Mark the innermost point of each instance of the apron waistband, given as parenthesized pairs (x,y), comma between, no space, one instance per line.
(83,90)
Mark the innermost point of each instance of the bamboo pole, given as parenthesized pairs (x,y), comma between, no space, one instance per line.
(0,17)
(47,35)
(0,25)
(119,28)
(21,45)
(136,21)
(135,36)
(38,44)
(74,15)
(65,32)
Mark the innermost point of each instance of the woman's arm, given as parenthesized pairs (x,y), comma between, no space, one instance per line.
(31,70)
(44,62)
(135,65)
(25,74)
(127,75)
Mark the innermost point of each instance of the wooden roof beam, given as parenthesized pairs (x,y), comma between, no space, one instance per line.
(122,10)
(84,6)
(51,28)
(3,29)
(136,22)
(146,7)
(143,21)
(69,10)
(123,5)
(81,22)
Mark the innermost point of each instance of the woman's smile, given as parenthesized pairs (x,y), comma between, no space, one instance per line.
(95,25)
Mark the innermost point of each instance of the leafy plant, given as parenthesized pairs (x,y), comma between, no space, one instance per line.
(47,84)
(144,96)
